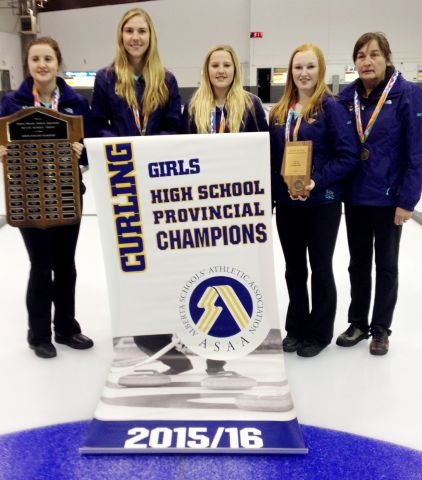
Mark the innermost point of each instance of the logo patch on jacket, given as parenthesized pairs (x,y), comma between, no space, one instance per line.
(68,110)
(329,195)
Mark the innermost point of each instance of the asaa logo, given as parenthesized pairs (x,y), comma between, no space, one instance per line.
(222,316)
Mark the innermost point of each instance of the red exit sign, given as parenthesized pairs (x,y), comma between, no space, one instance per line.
(257,34)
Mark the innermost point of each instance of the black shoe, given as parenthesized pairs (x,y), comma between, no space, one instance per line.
(310,348)
(176,371)
(379,343)
(215,368)
(351,336)
(44,350)
(77,340)
(290,344)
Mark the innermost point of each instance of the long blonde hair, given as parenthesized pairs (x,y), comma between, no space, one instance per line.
(156,92)
(290,96)
(203,101)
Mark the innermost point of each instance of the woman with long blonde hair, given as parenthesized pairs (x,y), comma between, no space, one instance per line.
(220,104)
(135,95)
(308,111)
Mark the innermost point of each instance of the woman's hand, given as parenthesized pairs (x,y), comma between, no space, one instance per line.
(77,149)
(308,188)
(3,153)
(402,216)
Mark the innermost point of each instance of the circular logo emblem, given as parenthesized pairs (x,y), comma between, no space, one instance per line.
(299,185)
(222,313)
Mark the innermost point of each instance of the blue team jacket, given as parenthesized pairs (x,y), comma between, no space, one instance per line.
(392,175)
(334,154)
(112,117)
(252,122)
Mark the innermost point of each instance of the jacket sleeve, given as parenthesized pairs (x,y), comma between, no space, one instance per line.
(276,150)
(261,119)
(188,125)
(86,113)
(171,114)
(6,106)
(343,143)
(101,111)
(3,106)
(411,117)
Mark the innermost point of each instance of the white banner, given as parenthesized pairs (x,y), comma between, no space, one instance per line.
(187,238)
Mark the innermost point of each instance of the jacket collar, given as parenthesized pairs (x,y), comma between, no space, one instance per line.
(348,92)
(24,92)
(377,91)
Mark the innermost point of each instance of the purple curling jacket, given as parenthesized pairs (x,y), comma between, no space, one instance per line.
(252,122)
(112,117)
(392,175)
(334,154)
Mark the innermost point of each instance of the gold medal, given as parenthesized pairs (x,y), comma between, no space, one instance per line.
(299,185)
(364,153)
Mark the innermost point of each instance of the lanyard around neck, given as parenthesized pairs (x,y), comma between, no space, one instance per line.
(141,124)
(363,135)
(55,96)
(213,121)
(291,114)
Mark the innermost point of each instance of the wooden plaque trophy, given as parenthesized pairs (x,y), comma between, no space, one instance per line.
(296,167)
(41,173)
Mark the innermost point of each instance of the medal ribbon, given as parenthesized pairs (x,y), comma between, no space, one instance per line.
(290,117)
(213,121)
(54,98)
(142,125)
(364,135)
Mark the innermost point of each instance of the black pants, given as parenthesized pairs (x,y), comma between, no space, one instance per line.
(310,230)
(368,229)
(52,280)
(151,344)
